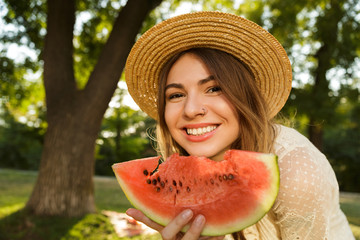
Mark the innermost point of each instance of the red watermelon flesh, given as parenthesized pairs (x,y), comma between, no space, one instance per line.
(232,194)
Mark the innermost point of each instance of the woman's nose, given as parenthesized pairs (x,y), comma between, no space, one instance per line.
(194,106)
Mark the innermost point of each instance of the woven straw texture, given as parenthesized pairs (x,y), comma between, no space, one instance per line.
(240,37)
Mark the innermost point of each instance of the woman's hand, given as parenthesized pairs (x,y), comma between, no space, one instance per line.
(172,230)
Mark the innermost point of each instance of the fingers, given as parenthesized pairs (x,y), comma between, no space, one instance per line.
(139,216)
(195,228)
(212,238)
(175,226)
(173,229)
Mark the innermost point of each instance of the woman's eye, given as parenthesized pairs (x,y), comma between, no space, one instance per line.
(214,89)
(175,96)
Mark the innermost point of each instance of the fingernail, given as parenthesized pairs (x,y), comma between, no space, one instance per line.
(199,220)
(130,211)
(187,214)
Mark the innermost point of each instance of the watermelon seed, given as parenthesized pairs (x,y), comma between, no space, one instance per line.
(148,181)
(180,183)
(158,189)
(231,177)
(154,181)
(188,189)
(220,178)
(146,172)
(225,177)
(158,178)
(174,183)
(212,181)
(170,189)
(177,191)
(162,184)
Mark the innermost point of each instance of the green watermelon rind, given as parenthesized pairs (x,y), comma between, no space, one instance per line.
(270,160)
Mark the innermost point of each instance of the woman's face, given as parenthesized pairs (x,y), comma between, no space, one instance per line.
(189,90)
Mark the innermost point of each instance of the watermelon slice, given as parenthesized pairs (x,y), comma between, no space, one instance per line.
(232,194)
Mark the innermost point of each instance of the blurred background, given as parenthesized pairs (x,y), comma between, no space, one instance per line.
(65,111)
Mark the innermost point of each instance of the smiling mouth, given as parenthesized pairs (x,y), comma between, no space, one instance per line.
(200,131)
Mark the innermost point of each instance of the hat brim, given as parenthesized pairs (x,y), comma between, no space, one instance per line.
(244,39)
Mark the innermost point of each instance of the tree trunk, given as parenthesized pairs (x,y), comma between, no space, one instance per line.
(316,134)
(319,97)
(328,34)
(65,186)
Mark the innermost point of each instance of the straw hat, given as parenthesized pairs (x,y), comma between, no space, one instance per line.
(240,37)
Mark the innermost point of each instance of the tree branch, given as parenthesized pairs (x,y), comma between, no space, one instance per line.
(107,72)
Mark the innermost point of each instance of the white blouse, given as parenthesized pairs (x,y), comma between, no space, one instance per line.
(307,206)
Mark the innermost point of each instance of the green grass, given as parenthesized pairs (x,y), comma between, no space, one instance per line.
(350,204)
(16,224)
(108,195)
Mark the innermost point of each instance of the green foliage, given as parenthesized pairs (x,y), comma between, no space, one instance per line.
(319,37)
(122,136)
(252,10)
(341,132)
(343,151)
(15,90)
(20,145)
(21,94)
(169,8)
(29,21)
(342,141)
(94,24)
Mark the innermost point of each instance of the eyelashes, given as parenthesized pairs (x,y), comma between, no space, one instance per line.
(175,96)
(213,90)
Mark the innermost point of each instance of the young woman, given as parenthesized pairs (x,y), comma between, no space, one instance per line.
(214,82)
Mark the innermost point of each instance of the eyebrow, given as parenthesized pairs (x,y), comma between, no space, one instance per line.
(179,85)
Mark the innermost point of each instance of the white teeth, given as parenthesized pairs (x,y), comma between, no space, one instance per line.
(200,131)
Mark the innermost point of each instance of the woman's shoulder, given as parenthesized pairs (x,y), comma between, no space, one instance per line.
(308,194)
(291,143)
(287,137)
(295,152)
